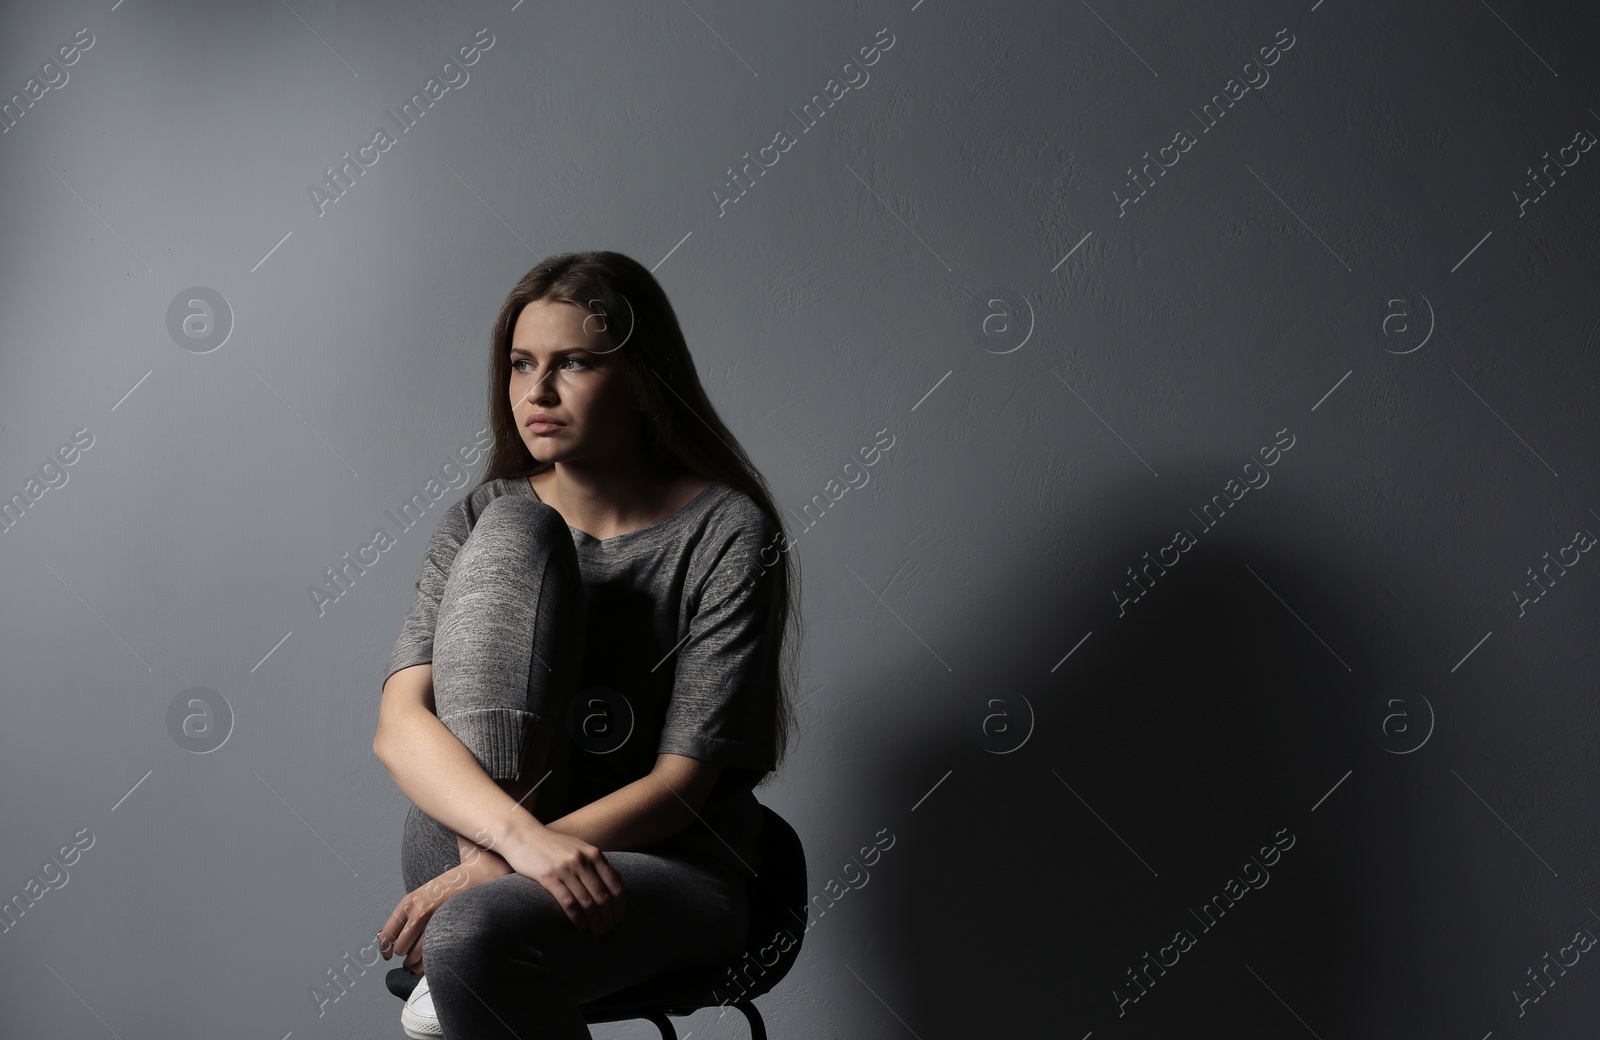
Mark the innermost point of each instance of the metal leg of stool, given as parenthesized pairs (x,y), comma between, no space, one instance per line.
(667,1032)
(758,1029)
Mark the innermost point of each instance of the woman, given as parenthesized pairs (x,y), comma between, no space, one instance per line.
(592,677)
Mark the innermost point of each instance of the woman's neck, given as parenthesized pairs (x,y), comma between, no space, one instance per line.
(610,503)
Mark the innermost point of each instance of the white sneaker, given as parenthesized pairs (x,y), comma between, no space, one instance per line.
(417,1018)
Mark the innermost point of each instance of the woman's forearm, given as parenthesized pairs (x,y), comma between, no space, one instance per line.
(441,777)
(470,850)
(633,816)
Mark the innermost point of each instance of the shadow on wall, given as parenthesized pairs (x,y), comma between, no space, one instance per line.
(1201,727)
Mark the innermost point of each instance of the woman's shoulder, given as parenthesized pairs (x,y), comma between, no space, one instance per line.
(732,513)
(730,503)
(471,505)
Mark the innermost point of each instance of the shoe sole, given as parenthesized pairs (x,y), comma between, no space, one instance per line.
(413,1029)
(416,1034)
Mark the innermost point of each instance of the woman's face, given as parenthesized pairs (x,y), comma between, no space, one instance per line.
(562,366)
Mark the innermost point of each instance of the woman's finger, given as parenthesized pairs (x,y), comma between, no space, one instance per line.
(600,880)
(409,940)
(388,934)
(619,894)
(575,912)
(604,886)
(594,913)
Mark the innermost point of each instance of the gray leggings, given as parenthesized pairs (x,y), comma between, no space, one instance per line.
(502,958)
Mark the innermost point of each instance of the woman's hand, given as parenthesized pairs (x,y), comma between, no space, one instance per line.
(402,933)
(576,873)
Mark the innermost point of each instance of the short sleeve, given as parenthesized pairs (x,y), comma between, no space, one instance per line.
(724,698)
(415,645)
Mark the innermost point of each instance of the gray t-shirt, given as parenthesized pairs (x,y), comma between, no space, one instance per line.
(682,623)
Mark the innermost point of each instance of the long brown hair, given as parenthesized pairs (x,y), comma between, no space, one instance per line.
(681,430)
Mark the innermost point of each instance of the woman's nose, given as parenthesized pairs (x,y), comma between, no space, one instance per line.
(541,390)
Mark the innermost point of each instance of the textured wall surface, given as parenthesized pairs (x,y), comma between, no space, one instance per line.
(1214,640)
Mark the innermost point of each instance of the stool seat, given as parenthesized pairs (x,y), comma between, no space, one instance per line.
(678,993)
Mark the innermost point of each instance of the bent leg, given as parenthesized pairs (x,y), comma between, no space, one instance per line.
(508,637)
(503,959)
(427,849)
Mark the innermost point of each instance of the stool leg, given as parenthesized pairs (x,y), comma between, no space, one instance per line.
(758,1029)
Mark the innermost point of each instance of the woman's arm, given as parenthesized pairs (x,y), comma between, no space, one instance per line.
(656,806)
(438,773)
(443,779)
(469,850)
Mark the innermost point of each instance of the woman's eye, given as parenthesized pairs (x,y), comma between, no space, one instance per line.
(516,364)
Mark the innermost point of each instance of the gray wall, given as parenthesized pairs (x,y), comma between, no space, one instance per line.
(1349,663)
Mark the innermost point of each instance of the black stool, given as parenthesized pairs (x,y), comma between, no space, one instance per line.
(778,916)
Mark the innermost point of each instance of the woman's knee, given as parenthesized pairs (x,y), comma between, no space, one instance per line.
(515,545)
(490,924)
(522,519)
